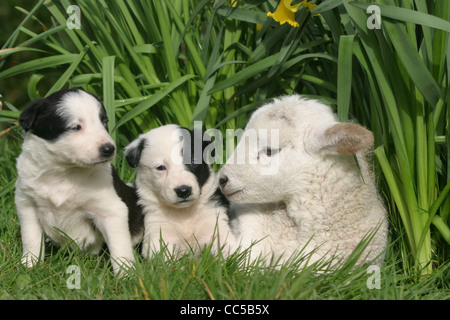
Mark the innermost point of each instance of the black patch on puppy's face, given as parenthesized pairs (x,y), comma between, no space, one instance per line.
(133,155)
(194,161)
(41,117)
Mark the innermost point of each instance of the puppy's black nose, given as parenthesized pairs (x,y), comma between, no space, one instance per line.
(183,191)
(107,150)
(223,181)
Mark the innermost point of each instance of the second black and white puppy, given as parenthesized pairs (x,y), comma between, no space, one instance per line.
(178,191)
(65,187)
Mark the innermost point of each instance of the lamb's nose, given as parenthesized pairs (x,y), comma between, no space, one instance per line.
(183,191)
(223,181)
(107,150)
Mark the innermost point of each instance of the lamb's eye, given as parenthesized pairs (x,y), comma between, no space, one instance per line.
(76,127)
(161,168)
(270,152)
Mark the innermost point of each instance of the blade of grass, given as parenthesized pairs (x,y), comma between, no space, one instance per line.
(32,84)
(250,16)
(344,77)
(12,39)
(108,92)
(395,193)
(248,72)
(6,52)
(408,15)
(38,64)
(192,49)
(436,220)
(58,85)
(413,63)
(201,108)
(142,107)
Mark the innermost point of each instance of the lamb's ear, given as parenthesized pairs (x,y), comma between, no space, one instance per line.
(30,113)
(133,152)
(346,138)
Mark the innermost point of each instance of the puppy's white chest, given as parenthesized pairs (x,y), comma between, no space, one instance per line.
(59,195)
(65,209)
(63,227)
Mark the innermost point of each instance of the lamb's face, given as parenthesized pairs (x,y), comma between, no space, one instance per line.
(282,142)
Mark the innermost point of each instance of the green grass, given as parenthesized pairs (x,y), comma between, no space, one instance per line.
(203,277)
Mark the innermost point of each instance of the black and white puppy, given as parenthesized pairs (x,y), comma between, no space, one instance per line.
(178,192)
(65,186)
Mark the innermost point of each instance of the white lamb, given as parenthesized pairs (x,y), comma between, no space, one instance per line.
(297,161)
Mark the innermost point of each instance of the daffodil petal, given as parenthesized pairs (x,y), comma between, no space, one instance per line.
(284,14)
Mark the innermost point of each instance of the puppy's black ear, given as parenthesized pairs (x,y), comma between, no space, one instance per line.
(30,113)
(133,152)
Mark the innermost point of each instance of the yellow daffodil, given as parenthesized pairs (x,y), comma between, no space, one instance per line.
(308,5)
(286,12)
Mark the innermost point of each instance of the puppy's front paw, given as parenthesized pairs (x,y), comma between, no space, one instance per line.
(123,267)
(29,260)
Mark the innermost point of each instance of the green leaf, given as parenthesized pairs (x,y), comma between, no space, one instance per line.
(12,39)
(395,192)
(248,72)
(201,109)
(8,115)
(32,86)
(59,84)
(108,90)
(344,76)
(38,64)
(413,63)
(144,48)
(241,110)
(326,6)
(251,16)
(39,37)
(408,15)
(144,106)
(5,52)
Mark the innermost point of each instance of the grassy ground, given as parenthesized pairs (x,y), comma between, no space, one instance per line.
(204,277)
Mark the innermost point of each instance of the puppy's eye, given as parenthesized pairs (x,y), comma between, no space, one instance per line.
(105,123)
(271,152)
(161,168)
(76,127)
